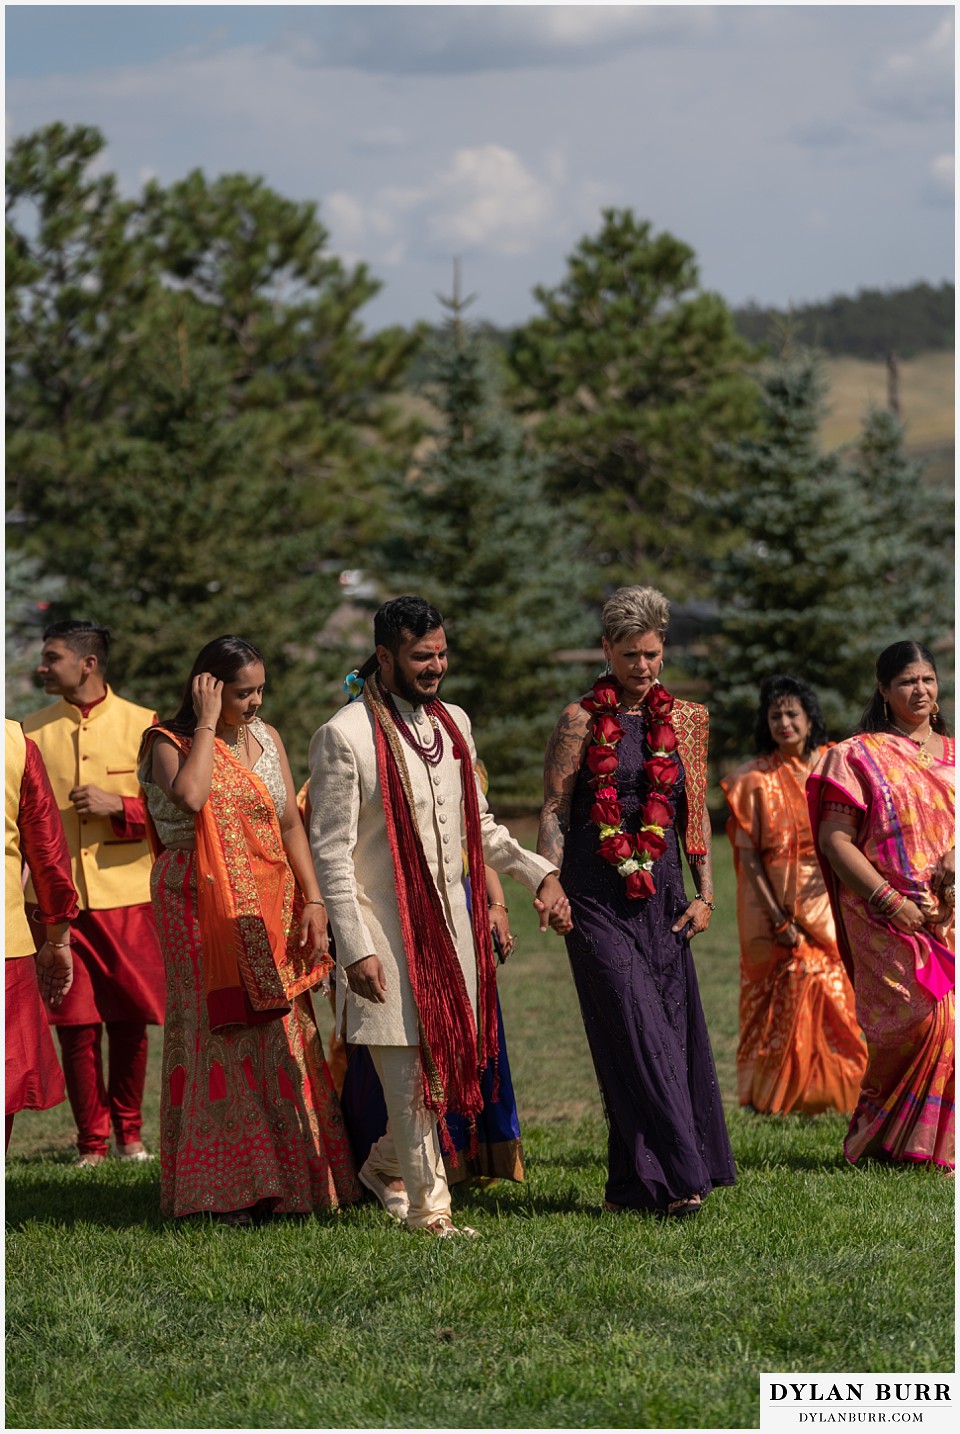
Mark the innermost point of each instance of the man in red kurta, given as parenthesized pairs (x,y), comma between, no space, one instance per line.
(89,739)
(33,832)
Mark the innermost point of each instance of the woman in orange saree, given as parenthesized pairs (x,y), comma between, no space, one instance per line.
(882,806)
(800,1046)
(249,1121)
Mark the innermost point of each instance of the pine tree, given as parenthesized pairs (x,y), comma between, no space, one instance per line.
(634,374)
(197,531)
(474,532)
(195,415)
(800,591)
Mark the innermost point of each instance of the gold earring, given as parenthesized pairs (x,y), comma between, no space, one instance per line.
(936,708)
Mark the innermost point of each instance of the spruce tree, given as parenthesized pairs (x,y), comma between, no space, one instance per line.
(912,527)
(475,533)
(801,590)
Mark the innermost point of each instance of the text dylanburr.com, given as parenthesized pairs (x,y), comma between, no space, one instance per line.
(821,1402)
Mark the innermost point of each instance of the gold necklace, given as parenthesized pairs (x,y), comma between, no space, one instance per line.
(235,747)
(924,758)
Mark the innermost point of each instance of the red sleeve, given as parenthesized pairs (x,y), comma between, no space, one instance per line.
(44,842)
(132,826)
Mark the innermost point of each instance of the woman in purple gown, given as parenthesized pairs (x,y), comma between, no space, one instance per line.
(625,785)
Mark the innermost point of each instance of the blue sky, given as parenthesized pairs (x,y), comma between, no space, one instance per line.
(800,150)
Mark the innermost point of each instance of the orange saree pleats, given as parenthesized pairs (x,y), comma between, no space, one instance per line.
(247,903)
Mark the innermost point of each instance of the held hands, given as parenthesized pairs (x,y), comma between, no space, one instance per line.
(553,906)
(54,972)
(695,919)
(207,692)
(367,980)
(94,802)
(315,929)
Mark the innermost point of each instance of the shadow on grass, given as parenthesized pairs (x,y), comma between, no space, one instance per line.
(81,1198)
(575,1160)
(69,1197)
(519,1201)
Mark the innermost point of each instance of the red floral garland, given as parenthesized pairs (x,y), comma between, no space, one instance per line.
(632,854)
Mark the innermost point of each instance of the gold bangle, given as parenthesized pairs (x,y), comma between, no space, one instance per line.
(315,901)
(498,903)
(57,945)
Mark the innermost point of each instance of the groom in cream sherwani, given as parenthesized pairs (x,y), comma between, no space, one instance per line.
(365,845)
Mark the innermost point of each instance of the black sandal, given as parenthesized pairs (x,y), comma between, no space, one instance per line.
(683,1209)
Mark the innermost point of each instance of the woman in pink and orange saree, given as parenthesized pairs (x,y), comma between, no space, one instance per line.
(882,808)
(800,1047)
(249,1121)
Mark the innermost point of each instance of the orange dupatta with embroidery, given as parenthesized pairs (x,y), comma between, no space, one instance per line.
(248,905)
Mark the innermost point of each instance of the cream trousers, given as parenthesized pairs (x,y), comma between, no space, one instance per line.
(411,1146)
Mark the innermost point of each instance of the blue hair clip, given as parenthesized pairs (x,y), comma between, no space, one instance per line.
(353,684)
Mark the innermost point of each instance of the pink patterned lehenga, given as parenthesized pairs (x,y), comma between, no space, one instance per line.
(904,984)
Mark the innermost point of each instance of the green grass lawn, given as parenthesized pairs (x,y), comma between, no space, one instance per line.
(559,1316)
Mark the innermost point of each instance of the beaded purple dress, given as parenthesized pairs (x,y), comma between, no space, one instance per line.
(638,993)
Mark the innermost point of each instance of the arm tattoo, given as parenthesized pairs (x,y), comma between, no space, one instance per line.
(564,756)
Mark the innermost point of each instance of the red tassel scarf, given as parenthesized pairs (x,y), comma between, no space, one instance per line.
(455,1049)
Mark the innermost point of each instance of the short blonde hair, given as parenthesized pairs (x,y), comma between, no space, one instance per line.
(635,609)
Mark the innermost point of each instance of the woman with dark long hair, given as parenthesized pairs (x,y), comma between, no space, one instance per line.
(800,1046)
(249,1121)
(882,806)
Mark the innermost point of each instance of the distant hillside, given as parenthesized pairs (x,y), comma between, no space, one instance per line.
(871,325)
(874,323)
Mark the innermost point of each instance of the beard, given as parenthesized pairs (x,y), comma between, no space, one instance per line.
(410,692)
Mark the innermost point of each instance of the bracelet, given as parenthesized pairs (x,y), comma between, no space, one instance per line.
(498,903)
(779,930)
(315,901)
(57,945)
(706,900)
(886,899)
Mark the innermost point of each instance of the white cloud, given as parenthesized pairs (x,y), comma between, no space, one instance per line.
(357,230)
(917,81)
(484,197)
(488,198)
(939,187)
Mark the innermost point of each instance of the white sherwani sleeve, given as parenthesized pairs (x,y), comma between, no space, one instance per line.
(335,803)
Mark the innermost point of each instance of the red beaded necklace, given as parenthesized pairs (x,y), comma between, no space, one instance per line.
(432,754)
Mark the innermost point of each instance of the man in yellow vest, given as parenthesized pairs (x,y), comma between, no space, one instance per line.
(89,739)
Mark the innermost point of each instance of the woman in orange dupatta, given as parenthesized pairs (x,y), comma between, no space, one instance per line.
(800,1045)
(882,806)
(249,1121)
